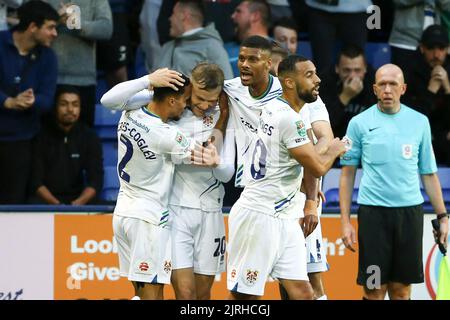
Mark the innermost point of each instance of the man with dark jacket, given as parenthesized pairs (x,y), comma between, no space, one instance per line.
(347,91)
(28,71)
(429,87)
(67,156)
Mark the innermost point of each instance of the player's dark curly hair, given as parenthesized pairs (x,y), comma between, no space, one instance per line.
(159,94)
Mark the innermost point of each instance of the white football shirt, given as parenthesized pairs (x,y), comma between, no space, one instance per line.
(243,123)
(275,175)
(193,186)
(148,149)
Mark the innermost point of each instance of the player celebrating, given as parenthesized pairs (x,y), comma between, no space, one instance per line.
(141,216)
(265,236)
(198,232)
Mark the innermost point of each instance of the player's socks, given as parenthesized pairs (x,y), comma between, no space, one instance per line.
(136,298)
(324,297)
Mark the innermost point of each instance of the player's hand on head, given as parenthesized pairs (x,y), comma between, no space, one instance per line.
(166,78)
(348,236)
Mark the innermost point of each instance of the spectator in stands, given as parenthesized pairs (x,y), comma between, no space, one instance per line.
(330,21)
(411,17)
(279,9)
(28,71)
(252,18)
(429,87)
(279,53)
(67,156)
(285,33)
(113,54)
(75,47)
(393,144)
(4,4)
(347,90)
(193,43)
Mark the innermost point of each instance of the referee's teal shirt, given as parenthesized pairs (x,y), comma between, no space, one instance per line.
(393,150)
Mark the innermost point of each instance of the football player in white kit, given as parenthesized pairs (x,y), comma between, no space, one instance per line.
(141,221)
(265,234)
(320,132)
(198,232)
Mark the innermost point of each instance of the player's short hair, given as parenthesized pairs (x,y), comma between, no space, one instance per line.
(257,42)
(352,51)
(263,8)
(161,93)
(63,89)
(287,66)
(35,11)
(279,49)
(285,22)
(197,8)
(208,75)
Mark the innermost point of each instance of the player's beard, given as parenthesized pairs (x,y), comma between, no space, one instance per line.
(306,96)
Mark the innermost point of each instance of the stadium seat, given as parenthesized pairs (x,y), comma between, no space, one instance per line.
(110,184)
(106,122)
(304,49)
(140,69)
(378,54)
(101,88)
(109,153)
(232,49)
(332,196)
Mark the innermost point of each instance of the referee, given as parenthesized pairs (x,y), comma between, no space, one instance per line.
(392,142)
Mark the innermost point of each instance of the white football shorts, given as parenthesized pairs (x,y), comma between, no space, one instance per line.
(144,250)
(260,246)
(198,240)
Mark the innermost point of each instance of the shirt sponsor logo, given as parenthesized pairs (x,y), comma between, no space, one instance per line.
(248,125)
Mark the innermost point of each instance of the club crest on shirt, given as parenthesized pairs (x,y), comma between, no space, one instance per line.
(208,121)
(301,129)
(251,277)
(407,151)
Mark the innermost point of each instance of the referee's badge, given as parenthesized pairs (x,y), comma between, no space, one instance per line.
(407,151)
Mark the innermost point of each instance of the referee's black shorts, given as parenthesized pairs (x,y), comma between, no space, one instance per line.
(391,239)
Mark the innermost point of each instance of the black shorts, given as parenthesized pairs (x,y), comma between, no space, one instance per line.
(114,53)
(391,239)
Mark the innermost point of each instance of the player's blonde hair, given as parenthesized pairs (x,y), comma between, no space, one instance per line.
(208,76)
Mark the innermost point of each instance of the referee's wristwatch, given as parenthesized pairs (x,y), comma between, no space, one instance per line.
(442,215)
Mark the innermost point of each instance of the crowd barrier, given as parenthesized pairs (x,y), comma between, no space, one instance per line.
(62,253)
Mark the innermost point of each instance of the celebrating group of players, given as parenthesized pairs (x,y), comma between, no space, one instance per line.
(178,139)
